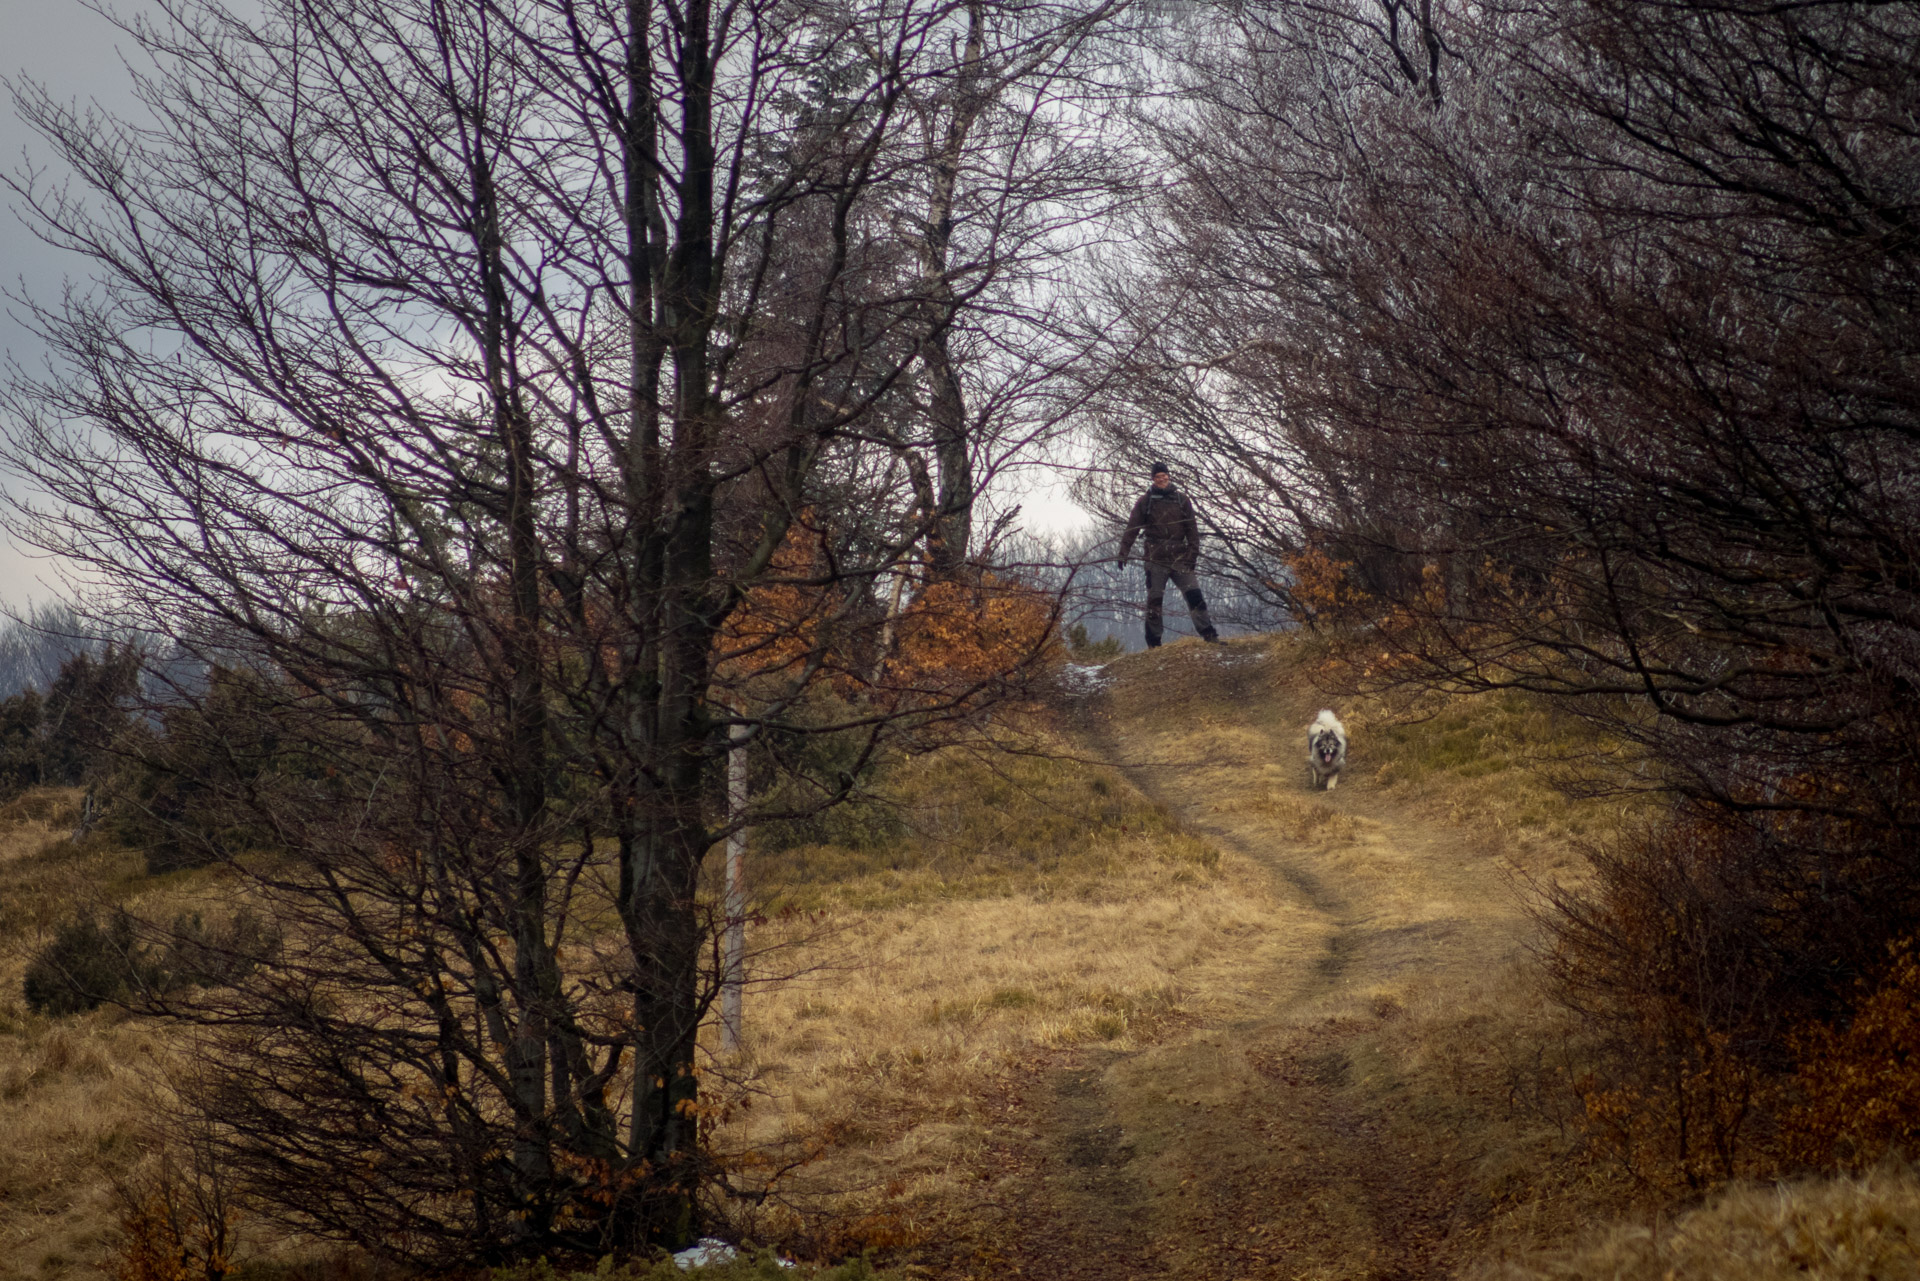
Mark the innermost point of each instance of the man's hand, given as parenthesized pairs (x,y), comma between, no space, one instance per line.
(1121,561)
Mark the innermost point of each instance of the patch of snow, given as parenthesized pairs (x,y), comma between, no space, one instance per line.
(710,1252)
(1085,678)
(1235,655)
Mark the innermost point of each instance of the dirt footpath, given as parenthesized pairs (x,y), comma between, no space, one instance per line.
(1333,1114)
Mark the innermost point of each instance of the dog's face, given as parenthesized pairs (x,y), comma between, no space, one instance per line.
(1326,747)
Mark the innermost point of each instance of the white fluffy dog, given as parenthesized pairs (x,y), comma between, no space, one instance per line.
(1326,749)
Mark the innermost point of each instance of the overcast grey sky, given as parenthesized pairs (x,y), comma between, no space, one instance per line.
(72,51)
(78,56)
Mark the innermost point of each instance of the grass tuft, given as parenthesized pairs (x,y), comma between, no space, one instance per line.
(1836,1229)
(968,826)
(1030,904)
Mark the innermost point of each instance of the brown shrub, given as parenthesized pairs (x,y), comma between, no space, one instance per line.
(961,637)
(1723,964)
(1325,590)
(1858,1083)
(176,1224)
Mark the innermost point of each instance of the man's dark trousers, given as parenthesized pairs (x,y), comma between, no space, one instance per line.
(1189,585)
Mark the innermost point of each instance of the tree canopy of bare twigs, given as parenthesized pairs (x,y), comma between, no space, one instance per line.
(1590,342)
(507,403)
(1581,355)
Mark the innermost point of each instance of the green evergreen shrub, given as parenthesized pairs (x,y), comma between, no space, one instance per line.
(88,963)
(187,795)
(85,964)
(804,769)
(1081,648)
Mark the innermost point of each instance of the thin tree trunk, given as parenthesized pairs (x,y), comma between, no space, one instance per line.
(885,647)
(950,535)
(730,1001)
(535,971)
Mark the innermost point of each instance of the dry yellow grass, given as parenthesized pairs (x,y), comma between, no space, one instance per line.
(45,876)
(1497,760)
(1159,1011)
(983,1001)
(1841,1229)
(1057,908)
(70,1122)
(1380,1110)
(68,1107)
(75,1092)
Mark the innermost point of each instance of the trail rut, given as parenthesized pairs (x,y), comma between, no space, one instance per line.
(1271,1138)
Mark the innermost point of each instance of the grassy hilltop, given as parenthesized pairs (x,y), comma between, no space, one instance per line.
(1131,1002)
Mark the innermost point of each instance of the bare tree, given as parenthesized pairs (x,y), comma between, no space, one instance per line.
(1592,367)
(1596,370)
(1008,110)
(1229,320)
(460,378)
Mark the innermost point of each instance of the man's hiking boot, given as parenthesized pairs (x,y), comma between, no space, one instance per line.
(1210,636)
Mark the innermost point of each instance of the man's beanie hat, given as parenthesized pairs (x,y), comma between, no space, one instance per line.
(1157,468)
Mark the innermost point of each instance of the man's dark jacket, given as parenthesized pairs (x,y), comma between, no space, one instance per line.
(1173,536)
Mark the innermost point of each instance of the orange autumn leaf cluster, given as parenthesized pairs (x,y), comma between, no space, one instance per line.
(1322,588)
(959,635)
(169,1234)
(779,625)
(1684,1129)
(950,636)
(1859,1084)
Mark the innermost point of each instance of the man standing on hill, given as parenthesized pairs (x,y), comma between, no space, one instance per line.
(1172,550)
